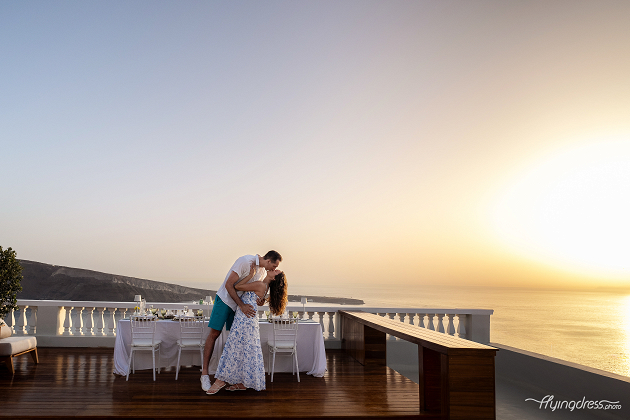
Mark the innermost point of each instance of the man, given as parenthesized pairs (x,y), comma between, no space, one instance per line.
(228,299)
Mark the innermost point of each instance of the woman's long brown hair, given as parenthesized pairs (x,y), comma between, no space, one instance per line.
(278,290)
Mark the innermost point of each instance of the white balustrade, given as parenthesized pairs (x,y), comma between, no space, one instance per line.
(461,326)
(20,327)
(31,315)
(9,319)
(331,324)
(83,322)
(440,326)
(110,322)
(392,316)
(320,315)
(450,328)
(67,323)
(99,322)
(77,320)
(88,321)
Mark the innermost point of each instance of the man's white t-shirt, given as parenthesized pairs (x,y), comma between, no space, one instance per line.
(241,267)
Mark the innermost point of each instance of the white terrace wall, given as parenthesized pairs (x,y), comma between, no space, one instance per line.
(58,323)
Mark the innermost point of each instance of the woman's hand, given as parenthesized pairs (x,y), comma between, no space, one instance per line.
(252,271)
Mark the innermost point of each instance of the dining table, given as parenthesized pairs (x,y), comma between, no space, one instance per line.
(310,348)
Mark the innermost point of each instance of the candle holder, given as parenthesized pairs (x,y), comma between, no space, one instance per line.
(303,300)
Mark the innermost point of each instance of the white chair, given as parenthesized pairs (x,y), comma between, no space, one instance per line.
(191,337)
(284,341)
(143,339)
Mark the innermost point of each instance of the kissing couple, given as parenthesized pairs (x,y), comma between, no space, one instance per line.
(246,285)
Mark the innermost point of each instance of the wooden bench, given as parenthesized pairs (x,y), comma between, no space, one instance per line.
(456,375)
(14,346)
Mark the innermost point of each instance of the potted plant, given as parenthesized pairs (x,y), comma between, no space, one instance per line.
(10,278)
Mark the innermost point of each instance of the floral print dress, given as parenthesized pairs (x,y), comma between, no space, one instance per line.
(242,359)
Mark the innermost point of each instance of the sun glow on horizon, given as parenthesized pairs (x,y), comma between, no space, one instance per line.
(573,210)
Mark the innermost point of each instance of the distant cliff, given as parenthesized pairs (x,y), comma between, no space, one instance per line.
(46,281)
(54,282)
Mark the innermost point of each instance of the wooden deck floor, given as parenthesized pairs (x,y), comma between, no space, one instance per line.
(79,382)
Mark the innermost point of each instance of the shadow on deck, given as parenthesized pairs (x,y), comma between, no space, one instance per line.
(79,382)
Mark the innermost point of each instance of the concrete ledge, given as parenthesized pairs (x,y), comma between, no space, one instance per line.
(521,374)
(87,341)
(70,341)
(402,356)
(566,363)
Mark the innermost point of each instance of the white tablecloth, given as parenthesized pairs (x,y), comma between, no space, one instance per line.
(310,349)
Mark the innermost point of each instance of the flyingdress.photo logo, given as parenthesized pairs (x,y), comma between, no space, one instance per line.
(548,402)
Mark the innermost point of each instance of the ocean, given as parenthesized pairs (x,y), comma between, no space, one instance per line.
(586,327)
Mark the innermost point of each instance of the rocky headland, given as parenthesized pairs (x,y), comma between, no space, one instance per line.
(53,282)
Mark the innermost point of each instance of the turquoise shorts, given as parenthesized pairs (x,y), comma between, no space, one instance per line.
(221,315)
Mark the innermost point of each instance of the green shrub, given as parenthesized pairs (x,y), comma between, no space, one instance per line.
(10,278)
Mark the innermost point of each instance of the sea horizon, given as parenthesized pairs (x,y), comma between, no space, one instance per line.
(590,327)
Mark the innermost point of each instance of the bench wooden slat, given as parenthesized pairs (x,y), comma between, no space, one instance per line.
(456,375)
(437,341)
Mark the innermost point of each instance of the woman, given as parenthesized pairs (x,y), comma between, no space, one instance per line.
(242,362)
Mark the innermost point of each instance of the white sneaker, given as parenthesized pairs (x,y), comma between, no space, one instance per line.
(205,382)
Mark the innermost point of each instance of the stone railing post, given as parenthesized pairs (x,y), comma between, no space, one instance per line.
(392,316)
(77,320)
(440,325)
(111,322)
(10,321)
(421,320)
(450,328)
(48,320)
(461,325)
(32,320)
(20,321)
(321,321)
(478,328)
(88,321)
(67,322)
(99,322)
(331,324)
(120,314)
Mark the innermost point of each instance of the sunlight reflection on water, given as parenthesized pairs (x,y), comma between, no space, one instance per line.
(589,328)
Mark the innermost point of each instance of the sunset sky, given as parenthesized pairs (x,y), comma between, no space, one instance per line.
(369,142)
